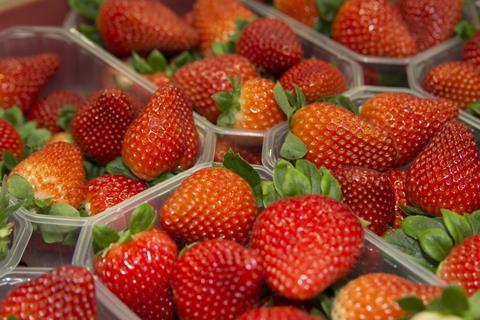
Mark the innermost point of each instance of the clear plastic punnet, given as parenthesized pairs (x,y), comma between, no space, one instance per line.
(22,231)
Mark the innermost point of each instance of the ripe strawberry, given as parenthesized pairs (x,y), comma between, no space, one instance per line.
(431,21)
(471,51)
(335,136)
(189,18)
(67,292)
(374,28)
(304,11)
(216,20)
(411,121)
(202,79)
(56,172)
(223,278)
(137,268)
(163,137)
(369,194)
(249,106)
(271,45)
(277,313)
(224,207)
(462,265)
(375,295)
(142,26)
(398,180)
(456,81)
(299,240)
(446,174)
(106,191)
(159,79)
(99,126)
(252,155)
(21,79)
(10,140)
(47,111)
(316,78)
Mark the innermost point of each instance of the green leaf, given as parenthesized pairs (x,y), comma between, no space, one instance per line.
(4,198)
(414,225)
(9,160)
(143,218)
(140,65)
(279,173)
(157,61)
(293,148)
(465,30)
(20,188)
(65,117)
(125,236)
(453,301)
(413,211)
(282,100)
(328,10)
(326,302)
(411,304)
(104,236)
(474,221)
(289,181)
(435,243)
(242,168)
(330,185)
(86,8)
(71,238)
(92,33)
(53,234)
(93,170)
(220,48)
(312,173)
(269,193)
(117,166)
(14,116)
(64,210)
(457,226)
(474,302)
(12,317)
(343,102)
(186,248)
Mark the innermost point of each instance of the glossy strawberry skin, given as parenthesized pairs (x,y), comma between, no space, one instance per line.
(277,313)
(252,155)
(202,79)
(304,11)
(106,191)
(21,79)
(462,265)
(471,51)
(213,203)
(398,180)
(159,79)
(271,45)
(374,28)
(142,26)
(10,140)
(223,278)
(335,137)
(445,175)
(123,268)
(299,240)
(316,78)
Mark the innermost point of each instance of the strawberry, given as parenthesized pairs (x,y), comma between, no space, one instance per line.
(411,121)
(142,26)
(334,136)
(299,240)
(271,45)
(55,172)
(10,140)
(252,155)
(315,78)
(369,194)
(471,51)
(398,180)
(462,265)
(22,78)
(456,81)
(446,175)
(47,111)
(106,191)
(189,18)
(123,264)
(67,292)
(277,313)
(216,20)
(99,126)
(163,137)
(224,207)
(201,79)
(374,28)
(249,106)
(223,278)
(375,295)
(304,11)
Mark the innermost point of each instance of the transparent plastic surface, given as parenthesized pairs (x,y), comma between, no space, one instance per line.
(22,231)
(25,12)
(109,307)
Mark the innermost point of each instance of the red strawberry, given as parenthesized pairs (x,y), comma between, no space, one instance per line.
(456,81)
(369,194)
(159,79)
(189,18)
(64,293)
(411,121)
(142,26)
(471,51)
(316,78)
(56,172)
(47,111)
(223,278)
(99,126)
(224,207)
(446,174)
(299,240)
(431,21)
(398,180)
(202,79)
(252,155)
(462,265)
(10,140)
(106,191)
(374,28)
(216,20)
(138,268)
(335,137)
(271,45)
(277,313)
(163,137)
(375,295)
(21,79)
(304,11)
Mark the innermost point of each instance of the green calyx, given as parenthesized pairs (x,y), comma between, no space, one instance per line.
(221,48)
(474,107)
(155,62)
(328,10)
(86,8)
(343,102)
(228,103)
(91,32)
(465,30)
(66,115)
(117,166)
(143,219)
(6,226)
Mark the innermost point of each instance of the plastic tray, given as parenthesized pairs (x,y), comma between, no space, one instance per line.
(22,231)
(108,306)
(25,12)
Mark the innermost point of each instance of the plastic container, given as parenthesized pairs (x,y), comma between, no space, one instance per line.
(22,231)
(109,307)
(25,12)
